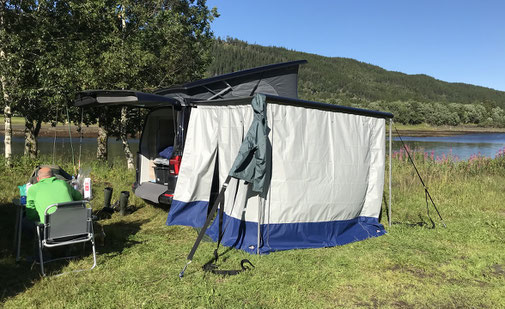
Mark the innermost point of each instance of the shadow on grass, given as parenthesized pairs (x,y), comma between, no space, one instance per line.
(117,236)
(14,277)
(18,277)
(165,207)
(421,223)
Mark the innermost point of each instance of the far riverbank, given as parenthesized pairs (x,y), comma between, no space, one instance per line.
(421,130)
(424,130)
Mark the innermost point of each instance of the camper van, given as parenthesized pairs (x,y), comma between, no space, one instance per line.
(162,140)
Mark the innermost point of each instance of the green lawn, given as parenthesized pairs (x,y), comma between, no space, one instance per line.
(15,120)
(413,266)
(21,121)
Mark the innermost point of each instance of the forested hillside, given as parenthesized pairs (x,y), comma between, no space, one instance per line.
(413,98)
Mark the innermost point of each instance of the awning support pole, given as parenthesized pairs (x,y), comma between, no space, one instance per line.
(260,203)
(220,93)
(210,216)
(390,167)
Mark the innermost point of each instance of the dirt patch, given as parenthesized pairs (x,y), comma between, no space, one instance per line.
(402,304)
(498,270)
(481,283)
(461,282)
(416,272)
(374,303)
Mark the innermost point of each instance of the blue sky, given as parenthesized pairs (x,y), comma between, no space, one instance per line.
(455,41)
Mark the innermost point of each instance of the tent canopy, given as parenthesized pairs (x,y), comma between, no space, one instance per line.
(279,79)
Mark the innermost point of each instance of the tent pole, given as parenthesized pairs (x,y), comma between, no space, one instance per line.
(259,225)
(390,167)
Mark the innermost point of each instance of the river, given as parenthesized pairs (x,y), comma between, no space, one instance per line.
(461,147)
(63,147)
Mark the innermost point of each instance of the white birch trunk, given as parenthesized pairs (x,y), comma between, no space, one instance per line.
(102,145)
(124,139)
(7,103)
(7,118)
(7,132)
(124,112)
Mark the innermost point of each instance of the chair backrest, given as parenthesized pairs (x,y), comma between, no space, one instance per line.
(69,220)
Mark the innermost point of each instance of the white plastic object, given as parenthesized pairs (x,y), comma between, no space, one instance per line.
(87,188)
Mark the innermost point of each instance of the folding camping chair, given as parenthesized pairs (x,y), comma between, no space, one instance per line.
(69,224)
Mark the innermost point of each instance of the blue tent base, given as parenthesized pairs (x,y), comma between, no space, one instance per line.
(189,214)
(275,237)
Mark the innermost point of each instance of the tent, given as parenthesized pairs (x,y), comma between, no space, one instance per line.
(323,173)
(303,174)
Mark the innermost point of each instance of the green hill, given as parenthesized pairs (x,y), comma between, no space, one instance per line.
(348,81)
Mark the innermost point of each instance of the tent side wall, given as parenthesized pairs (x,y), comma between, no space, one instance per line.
(327,177)
(326,186)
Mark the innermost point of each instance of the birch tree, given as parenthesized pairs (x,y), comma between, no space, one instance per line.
(51,49)
(35,53)
(4,89)
(7,112)
(149,44)
(12,63)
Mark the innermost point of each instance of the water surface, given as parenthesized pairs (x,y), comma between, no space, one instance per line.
(461,146)
(63,147)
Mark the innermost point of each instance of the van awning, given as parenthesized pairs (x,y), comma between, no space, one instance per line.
(123,98)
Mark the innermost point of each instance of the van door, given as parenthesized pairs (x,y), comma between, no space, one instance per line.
(131,98)
(158,150)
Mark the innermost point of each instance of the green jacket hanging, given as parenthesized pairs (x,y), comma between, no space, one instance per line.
(253,162)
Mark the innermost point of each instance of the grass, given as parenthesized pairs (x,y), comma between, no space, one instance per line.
(413,266)
(15,120)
